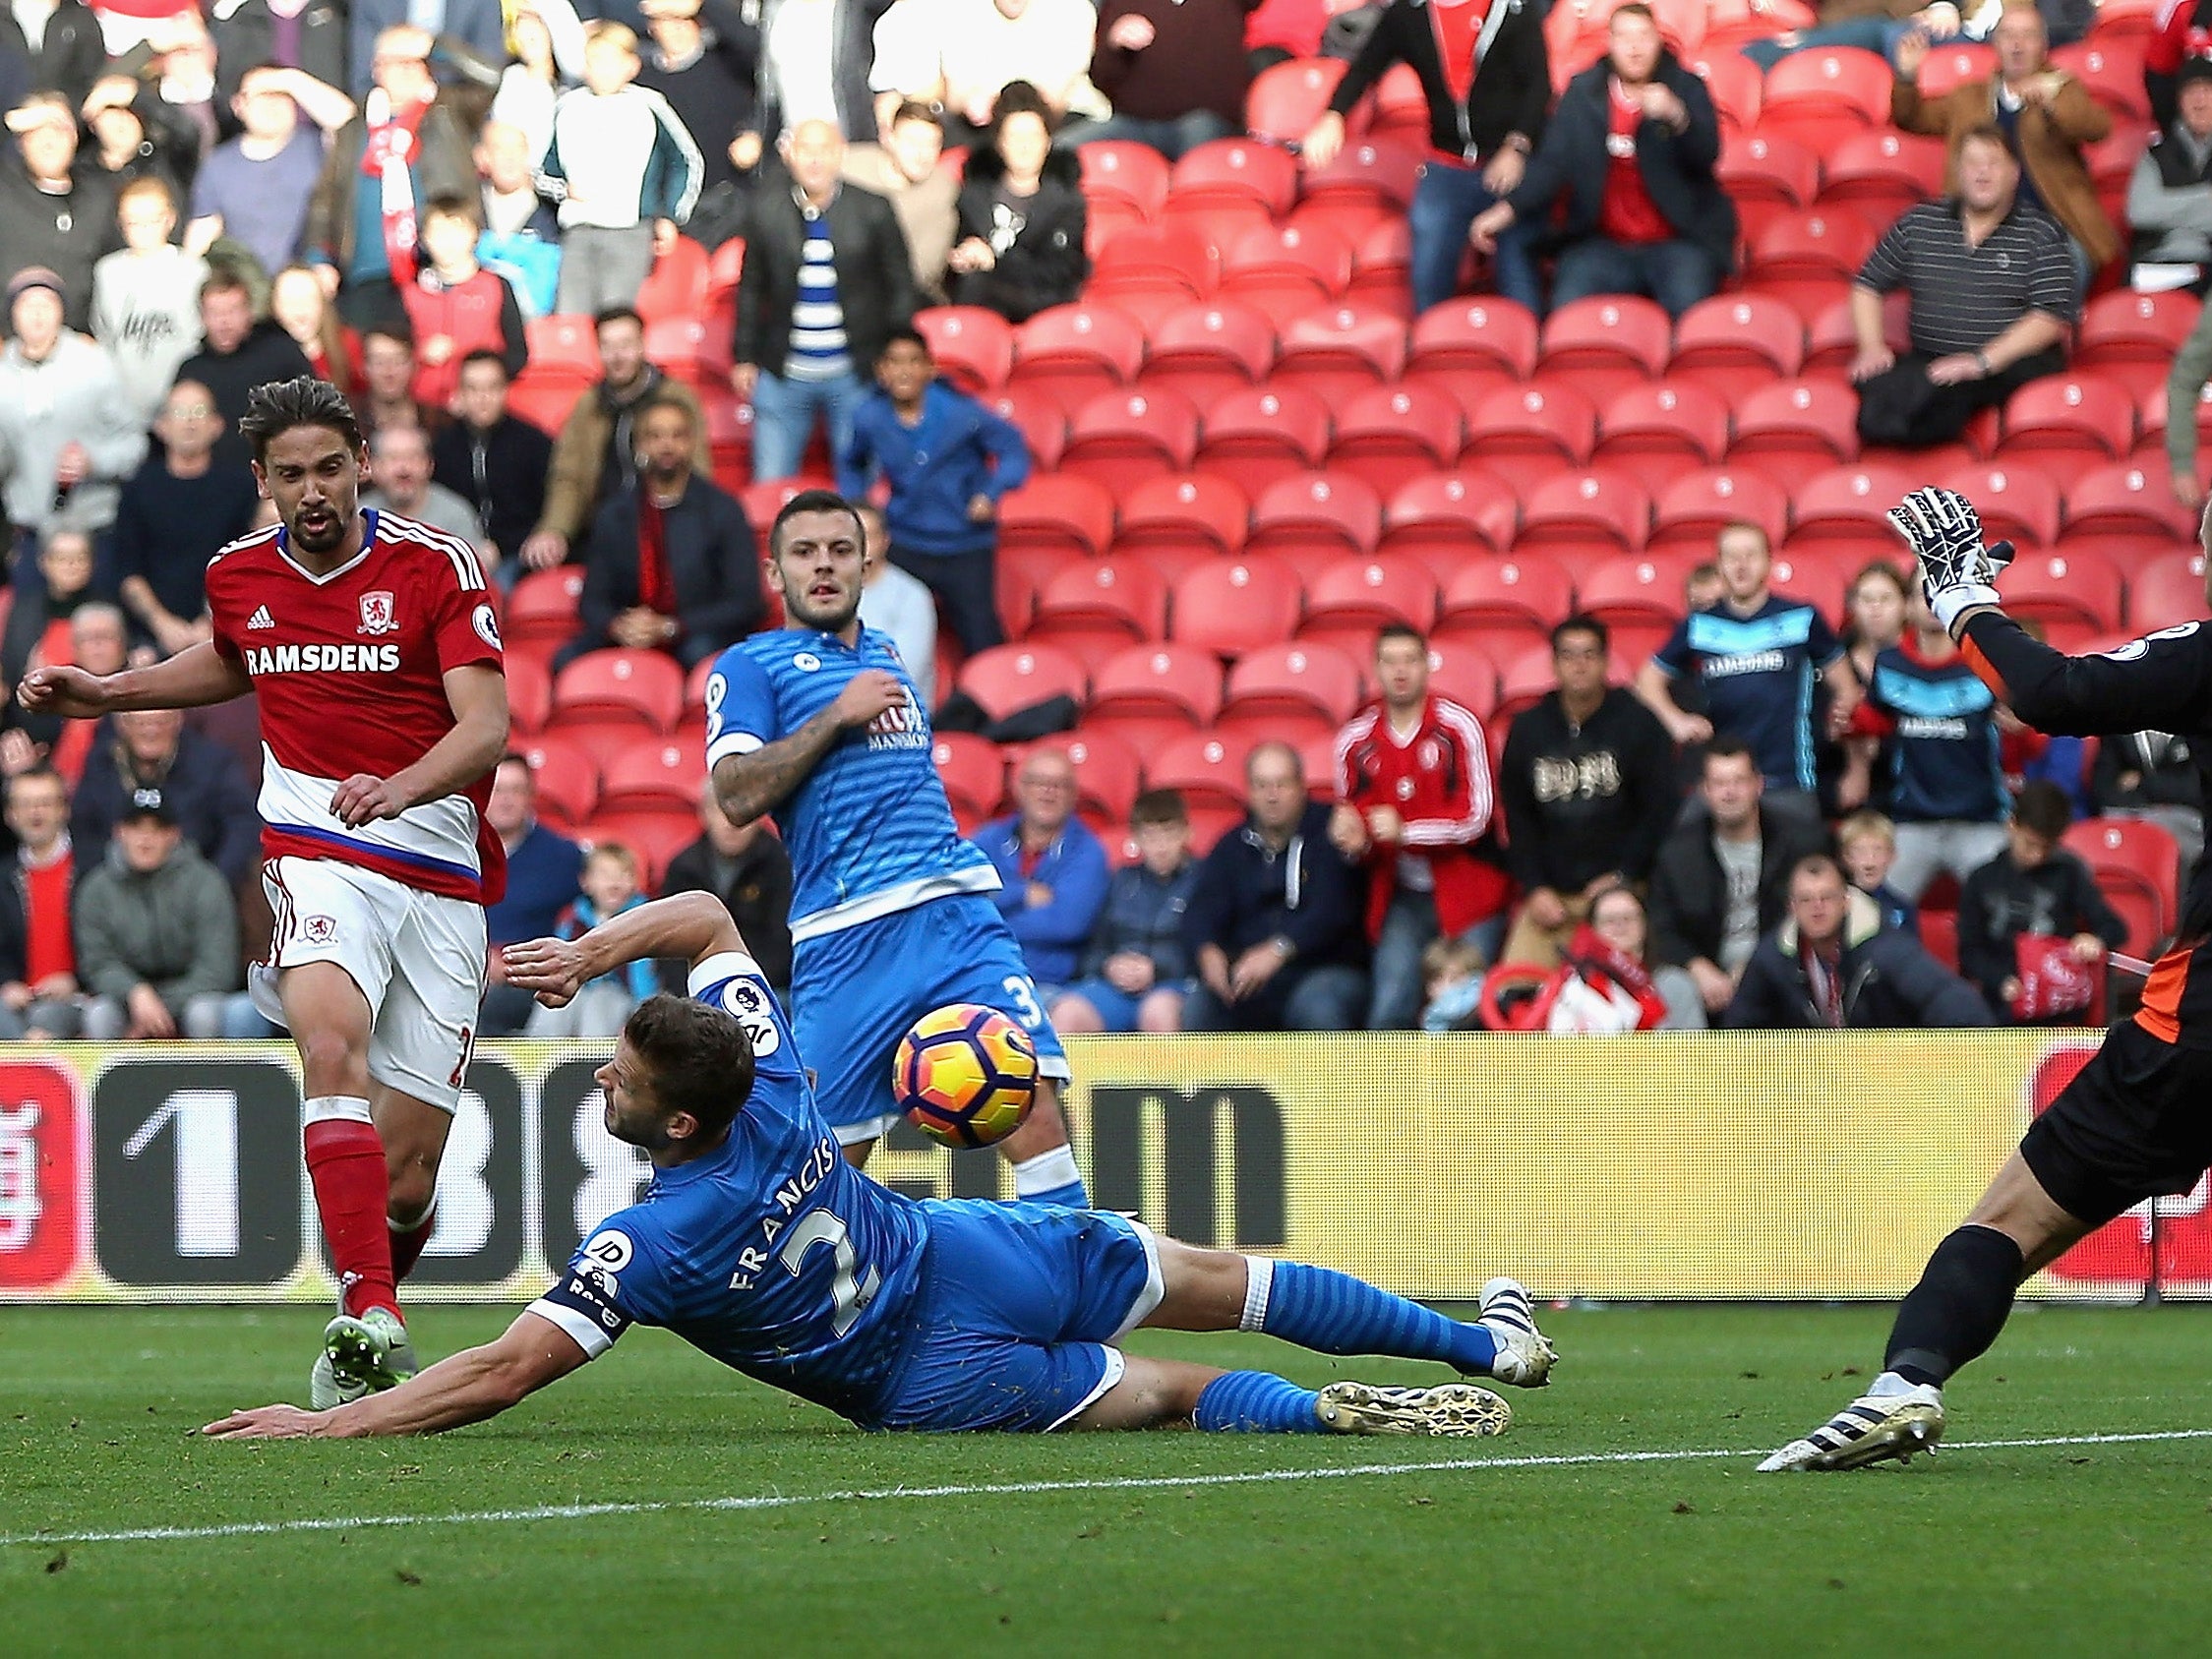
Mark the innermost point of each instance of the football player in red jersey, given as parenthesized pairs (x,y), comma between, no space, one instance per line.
(373,644)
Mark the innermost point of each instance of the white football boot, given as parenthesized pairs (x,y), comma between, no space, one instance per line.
(1872,1428)
(1526,1356)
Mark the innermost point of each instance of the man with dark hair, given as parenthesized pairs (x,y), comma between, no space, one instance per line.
(1414,805)
(1135,969)
(544,871)
(1721,879)
(949,462)
(1994,291)
(820,724)
(904,170)
(2035,886)
(1631,146)
(672,564)
(596,454)
(1587,786)
(54,214)
(38,989)
(1273,925)
(1832,966)
(373,647)
(942,1315)
(238,352)
(495,461)
(389,369)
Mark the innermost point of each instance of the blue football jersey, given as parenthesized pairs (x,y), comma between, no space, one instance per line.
(1944,757)
(1758,674)
(869,829)
(771,1254)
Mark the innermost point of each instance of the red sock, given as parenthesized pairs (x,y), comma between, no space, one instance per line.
(407,1243)
(345,1162)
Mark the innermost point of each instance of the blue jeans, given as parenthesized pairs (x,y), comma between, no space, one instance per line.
(1400,986)
(783,419)
(1678,274)
(1446,202)
(1872,35)
(1173,139)
(1116,1008)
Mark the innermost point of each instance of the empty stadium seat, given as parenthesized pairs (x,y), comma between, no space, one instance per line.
(1801,257)
(1149,270)
(1795,427)
(1475,333)
(1636,596)
(1605,343)
(694,349)
(1284,271)
(2132,337)
(1814,93)
(1287,98)
(1489,597)
(1602,505)
(676,286)
(647,687)
(1070,353)
(1265,433)
(529,693)
(545,403)
(1689,514)
(1464,672)
(1349,601)
(1206,350)
(1122,437)
(1733,343)
(1135,175)
(1382,267)
(563,349)
(1230,606)
(1041,421)
(1007,678)
(974,774)
(1885,170)
(2080,590)
(567,775)
(1381,170)
(1057,510)
(1311,517)
(2016,500)
(1849,502)
(974,347)
(1148,692)
(1178,510)
(1655,430)
(1768,167)
(2110,71)
(542,606)
(1099,606)
(2120,507)
(2083,415)
(1444,518)
(1735,85)
(1207,767)
(1335,350)
(1275,691)
(1236,170)
(1388,432)
(2166,590)
(649,776)
(2137,867)
(1950,62)
(1557,424)
(1832,336)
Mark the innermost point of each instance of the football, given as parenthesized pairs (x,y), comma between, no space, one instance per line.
(965,1075)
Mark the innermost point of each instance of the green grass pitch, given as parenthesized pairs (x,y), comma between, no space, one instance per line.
(1135,1542)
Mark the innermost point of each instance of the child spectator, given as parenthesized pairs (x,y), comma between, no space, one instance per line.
(1452,978)
(146,297)
(2033,887)
(37,630)
(521,238)
(624,171)
(610,887)
(297,305)
(455,306)
(948,460)
(1136,970)
(1867,843)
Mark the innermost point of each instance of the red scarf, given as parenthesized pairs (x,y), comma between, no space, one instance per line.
(656,588)
(386,158)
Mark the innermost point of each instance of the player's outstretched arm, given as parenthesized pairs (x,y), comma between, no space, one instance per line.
(467,1388)
(2162,683)
(191,678)
(477,696)
(691,925)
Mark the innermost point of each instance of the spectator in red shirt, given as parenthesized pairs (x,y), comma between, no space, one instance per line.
(1414,798)
(38,959)
(455,306)
(1631,147)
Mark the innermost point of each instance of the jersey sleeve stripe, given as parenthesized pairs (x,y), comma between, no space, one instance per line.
(723,965)
(259,538)
(458,553)
(584,1333)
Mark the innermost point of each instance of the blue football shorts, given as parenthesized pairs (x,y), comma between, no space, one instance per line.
(858,990)
(1019,1309)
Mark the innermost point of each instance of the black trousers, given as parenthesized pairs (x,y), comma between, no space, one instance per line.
(1901,407)
(966,588)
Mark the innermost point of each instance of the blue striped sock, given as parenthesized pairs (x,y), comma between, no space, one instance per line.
(1252,1402)
(1332,1313)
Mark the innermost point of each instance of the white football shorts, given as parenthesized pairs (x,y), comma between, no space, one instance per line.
(418,958)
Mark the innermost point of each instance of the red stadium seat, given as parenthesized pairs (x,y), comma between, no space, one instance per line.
(1556,423)
(1377,169)
(1399,108)
(1233,170)
(1349,601)
(1475,333)
(1444,518)
(529,693)
(2133,337)
(1108,775)
(648,776)
(2060,588)
(1493,596)
(677,285)
(724,269)
(974,347)
(974,773)
(1735,85)
(694,349)
(2082,415)
(2016,501)
(1657,429)
(1768,167)
(1465,673)
(1831,339)
(1149,270)
(1230,606)
(1386,433)
(611,685)
(1382,267)
(1148,689)
(1059,511)
(1338,350)
(2127,20)
(563,349)
(1690,513)
(1732,343)
(1101,606)
(1206,350)
(1133,174)
(1073,352)
(1885,169)
(1950,62)
(1814,94)
(763,500)
(1605,343)
(2120,507)
(1041,421)
(1638,597)
(545,403)
(1123,437)
(1795,427)
(1821,244)
(1203,507)
(542,608)
(1207,767)
(2167,590)
(1939,937)
(1007,678)
(567,775)
(1315,517)
(1268,433)
(1284,271)
(1849,503)
(1273,690)
(1576,508)
(1285,100)
(653,836)
(2111,72)
(2140,870)
(1107,218)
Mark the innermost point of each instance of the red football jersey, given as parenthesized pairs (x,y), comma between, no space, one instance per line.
(349,669)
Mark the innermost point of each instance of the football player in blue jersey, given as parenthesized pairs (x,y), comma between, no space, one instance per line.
(819,725)
(756,1243)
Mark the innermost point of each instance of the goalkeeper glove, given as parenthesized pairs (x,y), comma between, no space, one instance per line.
(1956,571)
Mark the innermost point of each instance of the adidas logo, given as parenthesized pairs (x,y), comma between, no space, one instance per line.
(261,617)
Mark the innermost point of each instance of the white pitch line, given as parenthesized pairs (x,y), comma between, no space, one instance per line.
(1000,1488)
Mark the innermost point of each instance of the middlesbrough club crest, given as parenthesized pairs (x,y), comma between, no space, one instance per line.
(376,614)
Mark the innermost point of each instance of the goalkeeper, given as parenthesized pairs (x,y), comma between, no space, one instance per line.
(2137,1121)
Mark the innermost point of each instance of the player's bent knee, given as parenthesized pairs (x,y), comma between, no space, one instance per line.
(2017,1205)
